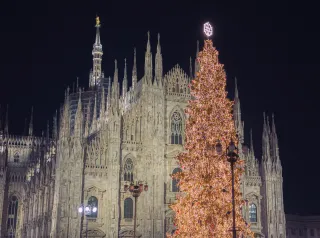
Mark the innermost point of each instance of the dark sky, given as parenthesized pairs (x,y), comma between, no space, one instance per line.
(272,47)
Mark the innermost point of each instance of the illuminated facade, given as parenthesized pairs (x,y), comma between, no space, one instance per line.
(104,139)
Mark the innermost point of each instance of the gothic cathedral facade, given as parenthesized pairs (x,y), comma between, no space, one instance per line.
(103,140)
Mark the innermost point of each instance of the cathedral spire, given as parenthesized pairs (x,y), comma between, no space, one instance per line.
(1,128)
(77,132)
(109,94)
(190,69)
(265,141)
(31,123)
(65,121)
(273,132)
(6,123)
(55,126)
(134,70)
(196,63)
(48,130)
(251,143)
(102,104)
(94,117)
(97,53)
(148,63)
(115,75)
(115,81)
(274,143)
(236,92)
(148,43)
(159,64)
(237,114)
(77,86)
(88,118)
(125,80)
(115,86)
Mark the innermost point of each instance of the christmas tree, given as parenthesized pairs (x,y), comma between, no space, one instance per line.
(204,207)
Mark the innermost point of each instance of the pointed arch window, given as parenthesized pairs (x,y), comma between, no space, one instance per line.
(253,212)
(93,202)
(175,182)
(128,208)
(128,170)
(176,128)
(12,216)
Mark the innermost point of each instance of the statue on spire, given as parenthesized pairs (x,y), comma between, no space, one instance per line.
(97,21)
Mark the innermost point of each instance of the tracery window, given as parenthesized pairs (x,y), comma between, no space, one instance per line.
(175,182)
(12,216)
(176,128)
(128,208)
(128,170)
(93,202)
(253,212)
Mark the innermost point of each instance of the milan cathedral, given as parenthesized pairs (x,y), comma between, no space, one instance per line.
(104,139)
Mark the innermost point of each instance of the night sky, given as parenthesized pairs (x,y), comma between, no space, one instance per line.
(272,47)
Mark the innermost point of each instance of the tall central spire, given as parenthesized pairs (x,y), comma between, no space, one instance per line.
(97,53)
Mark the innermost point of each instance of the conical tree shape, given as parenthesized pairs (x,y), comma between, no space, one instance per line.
(204,207)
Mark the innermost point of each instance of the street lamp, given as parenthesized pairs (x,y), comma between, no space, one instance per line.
(232,157)
(87,210)
(135,191)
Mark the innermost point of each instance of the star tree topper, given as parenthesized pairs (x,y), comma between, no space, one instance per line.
(207,29)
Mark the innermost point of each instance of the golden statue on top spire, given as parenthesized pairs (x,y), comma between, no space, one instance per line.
(97,21)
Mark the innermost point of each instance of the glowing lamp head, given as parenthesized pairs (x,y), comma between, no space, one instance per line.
(146,187)
(131,188)
(80,209)
(87,209)
(141,187)
(208,29)
(94,209)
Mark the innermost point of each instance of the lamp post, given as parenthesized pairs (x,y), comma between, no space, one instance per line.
(135,191)
(87,211)
(233,157)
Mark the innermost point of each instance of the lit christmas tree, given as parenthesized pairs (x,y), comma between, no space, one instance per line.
(204,207)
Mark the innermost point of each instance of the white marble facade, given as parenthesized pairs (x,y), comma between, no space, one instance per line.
(104,139)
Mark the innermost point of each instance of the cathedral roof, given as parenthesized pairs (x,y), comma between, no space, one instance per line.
(88,101)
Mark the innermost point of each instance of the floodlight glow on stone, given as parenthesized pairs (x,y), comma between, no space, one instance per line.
(80,209)
(207,29)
